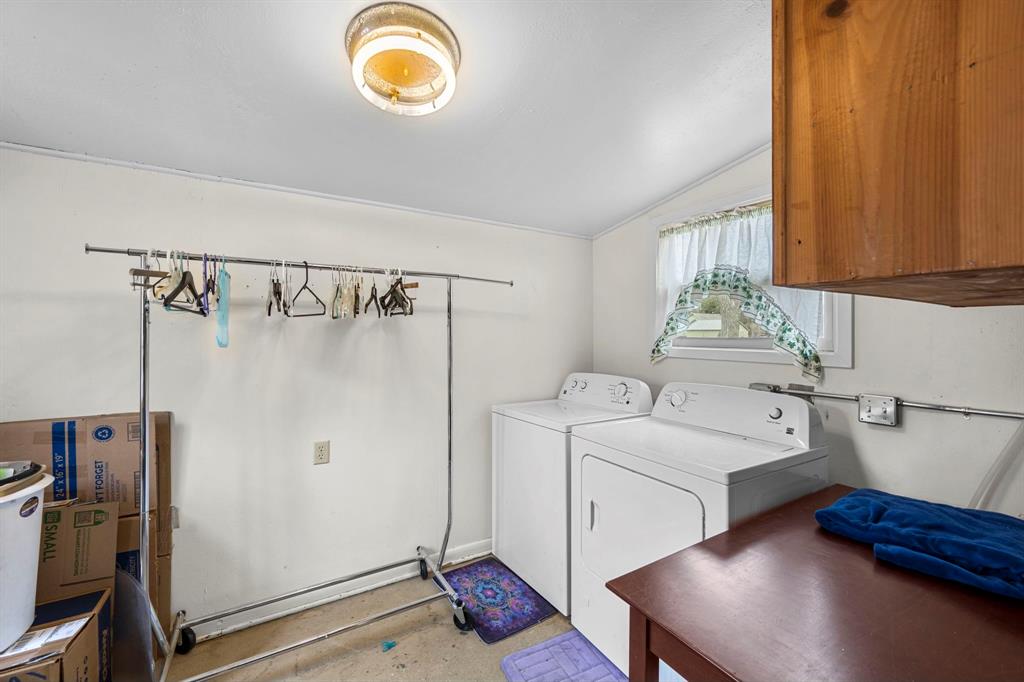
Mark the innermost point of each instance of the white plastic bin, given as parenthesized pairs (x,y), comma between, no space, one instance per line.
(21,518)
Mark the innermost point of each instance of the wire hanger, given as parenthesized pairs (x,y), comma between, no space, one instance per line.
(305,287)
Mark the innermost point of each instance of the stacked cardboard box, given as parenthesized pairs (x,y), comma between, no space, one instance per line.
(76,551)
(70,640)
(95,459)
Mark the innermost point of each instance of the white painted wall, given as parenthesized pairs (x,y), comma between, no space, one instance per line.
(257,518)
(971,356)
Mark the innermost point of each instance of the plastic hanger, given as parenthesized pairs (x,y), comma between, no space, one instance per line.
(274,290)
(305,287)
(336,299)
(357,287)
(396,301)
(168,283)
(186,285)
(286,290)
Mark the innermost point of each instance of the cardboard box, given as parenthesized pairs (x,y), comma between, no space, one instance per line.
(159,566)
(96,459)
(70,640)
(76,550)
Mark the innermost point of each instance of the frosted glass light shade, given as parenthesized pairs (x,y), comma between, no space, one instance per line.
(404,58)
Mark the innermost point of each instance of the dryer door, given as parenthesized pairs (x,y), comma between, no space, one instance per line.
(630,520)
(627,520)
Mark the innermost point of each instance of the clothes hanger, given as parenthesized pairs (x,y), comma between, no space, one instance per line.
(357,289)
(348,290)
(286,290)
(373,298)
(396,301)
(186,285)
(336,297)
(141,276)
(166,284)
(305,287)
(209,285)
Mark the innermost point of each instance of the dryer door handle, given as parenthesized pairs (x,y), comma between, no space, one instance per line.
(593,515)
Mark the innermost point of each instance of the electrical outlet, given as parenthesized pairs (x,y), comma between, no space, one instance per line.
(878,409)
(321,452)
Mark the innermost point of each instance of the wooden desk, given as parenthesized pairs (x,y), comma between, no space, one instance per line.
(777,598)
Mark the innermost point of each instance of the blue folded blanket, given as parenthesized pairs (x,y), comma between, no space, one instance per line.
(980,548)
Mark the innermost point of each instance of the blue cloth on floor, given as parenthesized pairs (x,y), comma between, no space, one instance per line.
(980,548)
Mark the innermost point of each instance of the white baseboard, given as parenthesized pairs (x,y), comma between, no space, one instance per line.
(467,552)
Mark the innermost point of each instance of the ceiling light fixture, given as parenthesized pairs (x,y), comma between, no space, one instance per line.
(404,58)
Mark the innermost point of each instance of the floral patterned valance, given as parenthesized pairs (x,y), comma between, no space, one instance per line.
(753,302)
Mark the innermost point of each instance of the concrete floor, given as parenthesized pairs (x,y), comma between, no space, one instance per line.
(429,646)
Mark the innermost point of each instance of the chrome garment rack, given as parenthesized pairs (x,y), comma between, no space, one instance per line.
(183,636)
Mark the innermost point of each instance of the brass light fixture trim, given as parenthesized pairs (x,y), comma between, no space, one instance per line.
(404,58)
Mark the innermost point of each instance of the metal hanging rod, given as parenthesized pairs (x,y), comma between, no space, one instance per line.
(964,411)
(157,253)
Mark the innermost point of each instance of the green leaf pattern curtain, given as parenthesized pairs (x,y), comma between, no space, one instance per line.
(753,302)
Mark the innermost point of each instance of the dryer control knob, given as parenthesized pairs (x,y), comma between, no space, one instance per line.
(776,413)
(621,389)
(677,399)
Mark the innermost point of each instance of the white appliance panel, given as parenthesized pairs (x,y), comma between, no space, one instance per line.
(530,468)
(531,507)
(718,455)
(559,415)
(757,414)
(624,509)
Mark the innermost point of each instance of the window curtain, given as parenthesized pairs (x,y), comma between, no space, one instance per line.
(732,253)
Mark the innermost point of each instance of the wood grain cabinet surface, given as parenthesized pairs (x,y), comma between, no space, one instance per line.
(898,153)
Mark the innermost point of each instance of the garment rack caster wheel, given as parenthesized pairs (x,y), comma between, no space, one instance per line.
(186,641)
(423,570)
(468,626)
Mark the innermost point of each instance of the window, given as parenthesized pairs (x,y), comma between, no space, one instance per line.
(715,299)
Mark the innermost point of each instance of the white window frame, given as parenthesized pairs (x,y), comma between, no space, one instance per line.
(835,345)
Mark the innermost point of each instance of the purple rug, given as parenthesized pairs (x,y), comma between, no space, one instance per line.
(500,602)
(569,656)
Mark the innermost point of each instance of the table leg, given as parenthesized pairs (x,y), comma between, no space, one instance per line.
(643,665)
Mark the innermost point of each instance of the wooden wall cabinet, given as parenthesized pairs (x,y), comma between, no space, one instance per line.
(898,148)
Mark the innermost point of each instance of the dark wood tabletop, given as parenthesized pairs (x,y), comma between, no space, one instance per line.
(778,598)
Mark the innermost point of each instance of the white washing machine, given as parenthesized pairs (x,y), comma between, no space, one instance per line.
(530,474)
(707,457)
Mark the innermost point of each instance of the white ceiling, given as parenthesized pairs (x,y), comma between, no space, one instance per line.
(569,116)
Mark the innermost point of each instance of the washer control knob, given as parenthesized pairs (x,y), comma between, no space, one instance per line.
(621,389)
(583,385)
(776,413)
(677,399)
(575,383)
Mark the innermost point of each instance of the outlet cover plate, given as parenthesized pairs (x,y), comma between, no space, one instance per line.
(321,452)
(878,409)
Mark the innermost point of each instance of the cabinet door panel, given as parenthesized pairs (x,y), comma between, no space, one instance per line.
(899,145)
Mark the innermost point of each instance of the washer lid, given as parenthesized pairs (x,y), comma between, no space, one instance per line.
(560,415)
(719,457)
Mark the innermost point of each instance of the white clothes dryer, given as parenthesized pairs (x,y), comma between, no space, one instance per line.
(707,457)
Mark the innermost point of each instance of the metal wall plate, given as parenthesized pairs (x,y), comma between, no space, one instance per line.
(878,409)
